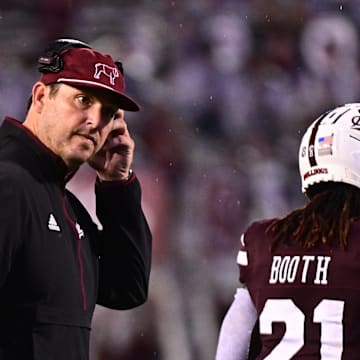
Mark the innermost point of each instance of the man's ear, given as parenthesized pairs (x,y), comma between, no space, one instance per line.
(39,92)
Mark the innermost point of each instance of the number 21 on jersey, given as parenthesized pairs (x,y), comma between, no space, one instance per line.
(328,313)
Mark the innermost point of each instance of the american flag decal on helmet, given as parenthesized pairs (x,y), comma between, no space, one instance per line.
(325,145)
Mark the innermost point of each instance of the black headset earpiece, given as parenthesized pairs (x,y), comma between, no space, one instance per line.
(119,65)
(50,61)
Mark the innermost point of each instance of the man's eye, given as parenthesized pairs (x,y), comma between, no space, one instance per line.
(84,100)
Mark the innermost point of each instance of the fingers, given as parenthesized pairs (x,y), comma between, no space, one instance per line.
(119,135)
(119,140)
(114,160)
(119,125)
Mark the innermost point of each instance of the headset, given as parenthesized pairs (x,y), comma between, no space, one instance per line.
(51,62)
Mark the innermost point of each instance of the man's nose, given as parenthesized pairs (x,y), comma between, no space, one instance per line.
(95,116)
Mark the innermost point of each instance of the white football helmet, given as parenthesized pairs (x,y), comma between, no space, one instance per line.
(330,148)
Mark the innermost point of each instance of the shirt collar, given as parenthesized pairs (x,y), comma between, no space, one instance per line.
(32,153)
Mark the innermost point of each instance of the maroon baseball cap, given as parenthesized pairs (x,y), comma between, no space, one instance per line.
(89,68)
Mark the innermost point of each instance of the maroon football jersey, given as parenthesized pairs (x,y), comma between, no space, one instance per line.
(308,301)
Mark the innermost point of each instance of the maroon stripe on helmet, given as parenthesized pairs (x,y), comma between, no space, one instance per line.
(311,146)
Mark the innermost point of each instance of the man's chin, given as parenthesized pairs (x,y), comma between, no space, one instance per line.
(75,162)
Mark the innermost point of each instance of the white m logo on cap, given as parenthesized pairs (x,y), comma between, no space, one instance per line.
(111,72)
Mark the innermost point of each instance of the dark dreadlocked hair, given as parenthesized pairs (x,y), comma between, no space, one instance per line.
(326,219)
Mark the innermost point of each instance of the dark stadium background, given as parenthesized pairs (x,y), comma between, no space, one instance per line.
(226,89)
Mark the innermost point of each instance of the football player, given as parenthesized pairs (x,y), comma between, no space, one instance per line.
(299,274)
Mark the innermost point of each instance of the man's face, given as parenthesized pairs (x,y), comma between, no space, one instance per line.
(75,122)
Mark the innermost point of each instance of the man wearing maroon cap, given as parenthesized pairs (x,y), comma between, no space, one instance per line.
(55,264)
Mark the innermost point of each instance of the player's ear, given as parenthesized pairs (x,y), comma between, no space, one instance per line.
(38,96)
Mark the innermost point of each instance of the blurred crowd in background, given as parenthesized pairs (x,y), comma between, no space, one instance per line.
(227,88)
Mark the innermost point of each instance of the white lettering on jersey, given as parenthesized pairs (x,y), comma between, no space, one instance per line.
(322,269)
(274,272)
(285,268)
(306,259)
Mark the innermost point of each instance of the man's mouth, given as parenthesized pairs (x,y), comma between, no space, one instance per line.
(89,137)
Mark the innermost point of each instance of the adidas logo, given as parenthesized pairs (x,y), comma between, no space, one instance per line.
(52,224)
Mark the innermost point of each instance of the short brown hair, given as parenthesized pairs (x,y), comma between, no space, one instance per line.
(54,87)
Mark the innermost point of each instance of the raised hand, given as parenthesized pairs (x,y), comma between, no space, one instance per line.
(113,161)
